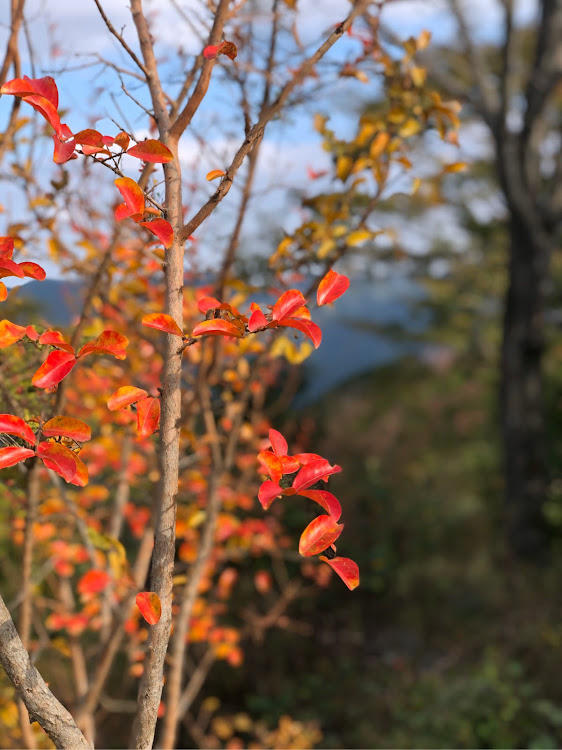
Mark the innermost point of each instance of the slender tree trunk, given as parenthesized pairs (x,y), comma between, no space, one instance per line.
(523,420)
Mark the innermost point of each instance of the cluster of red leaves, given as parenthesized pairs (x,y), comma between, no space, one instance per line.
(9,268)
(289,311)
(43,95)
(304,470)
(54,454)
(148,408)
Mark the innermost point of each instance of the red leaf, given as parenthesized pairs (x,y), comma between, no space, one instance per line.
(268,492)
(6,247)
(151,150)
(63,152)
(161,229)
(132,195)
(347,570)
(122,140)
(45,87)
(162,322)
(290,464)
(10,333)
(33,270)
(59,458)
(217,328)
(257,321)
(319,534)
(208,303)
(11,456)
(329,502)
(81,477)
(271,465)
(211,51)
(287,304)
(124,396)
(224,48)
(89,137)
(108,342)
(12,268)
(278,443)
(55,338)
(332,286)
(312,473)
(31,333)
(45,108)
(93,582)
(148,416)
(57,366)
(149,605)
(67,427)
(307,327)
(12,425)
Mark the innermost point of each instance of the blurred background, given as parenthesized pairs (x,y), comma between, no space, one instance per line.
(437,388)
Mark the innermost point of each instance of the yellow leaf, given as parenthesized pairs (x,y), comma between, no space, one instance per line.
(409,128)
(458,166)
(416,182)
(325,248)
(419,76)
(344,165)
(378,144)
(358,237)
(423,39)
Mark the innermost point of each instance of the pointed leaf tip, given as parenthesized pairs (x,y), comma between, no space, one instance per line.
(149,605)
(332,286)
(347,570)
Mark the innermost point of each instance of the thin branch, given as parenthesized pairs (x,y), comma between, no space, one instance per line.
(119,37)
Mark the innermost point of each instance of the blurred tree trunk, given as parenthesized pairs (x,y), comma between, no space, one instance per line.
(514,89)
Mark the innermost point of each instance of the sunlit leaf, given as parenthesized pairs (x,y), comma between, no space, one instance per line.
(307,327)
(151,150)
(332,286)
(13,455)
(3,292)
(6,247)
(80,479)
(57,365)
(12,425)
(224,48)
(132,195)
(208,303)
(13,269)
(214,173)
(10,333)
(288,303)
(125,396)
(319,534)
(108,342)
(161,229)
(67,427)
(347,570)
(217,327)
(271,464)
(33,270)
(148,416)
(162,322)
(149,605)
(257,321)
(31,333)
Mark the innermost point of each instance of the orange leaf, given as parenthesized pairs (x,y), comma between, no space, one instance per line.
(63,152)
(80,479)
(217,327)
(59,458)
(57,366)
(347,570)
(257,321)
(93,582)
(122,140)
(288,303)
(12,456)
(149,605)
(13,269)
(69,427)
(151,150)
(214,173)
(31,333)
(55,338)
(108,342)
(132,195)
(332,286)
(148,416)
(208,303)
(267,493)
(271,465)
(319,534)
(10,333)
(125,396)
(89,137)
(6,247)
(45,87)
(12,425)
(162,322)
(3,292)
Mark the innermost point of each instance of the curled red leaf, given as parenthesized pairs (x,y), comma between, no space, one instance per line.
(347,570)
(125,396)
(12,425)
(13,455)
(56,367)
(332,286)
(162,322)
(149,605)
(318,535)
(148,416)
(151,150)
(217,327)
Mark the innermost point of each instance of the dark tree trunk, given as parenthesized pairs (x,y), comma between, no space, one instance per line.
(522,391)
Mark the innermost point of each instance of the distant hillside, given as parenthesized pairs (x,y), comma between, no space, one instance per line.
(58,302)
